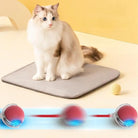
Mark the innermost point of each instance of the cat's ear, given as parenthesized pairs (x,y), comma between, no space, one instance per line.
(38,8)
(55,7)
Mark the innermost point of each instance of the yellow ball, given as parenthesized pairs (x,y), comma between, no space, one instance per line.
(116,89)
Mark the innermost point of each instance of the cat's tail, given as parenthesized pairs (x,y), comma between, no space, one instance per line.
(91,54)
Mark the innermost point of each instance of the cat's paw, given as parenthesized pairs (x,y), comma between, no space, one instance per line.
(50,77)
(38,77)
(66,76)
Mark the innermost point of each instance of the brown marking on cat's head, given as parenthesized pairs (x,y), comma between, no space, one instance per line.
(46,16)
(54,7)
(38,9)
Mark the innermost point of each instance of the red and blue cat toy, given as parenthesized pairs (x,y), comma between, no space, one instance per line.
(125,115)
(12,115)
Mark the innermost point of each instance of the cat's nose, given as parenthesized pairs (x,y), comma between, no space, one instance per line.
(50,25)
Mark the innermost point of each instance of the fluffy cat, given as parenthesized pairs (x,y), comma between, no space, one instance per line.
(57,50)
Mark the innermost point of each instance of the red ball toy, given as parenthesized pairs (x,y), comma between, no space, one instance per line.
(73,115)
(12,115)
(125,115)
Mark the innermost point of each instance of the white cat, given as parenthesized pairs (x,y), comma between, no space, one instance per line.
(57,50)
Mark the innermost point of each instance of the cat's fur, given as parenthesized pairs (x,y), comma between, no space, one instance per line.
(56,48)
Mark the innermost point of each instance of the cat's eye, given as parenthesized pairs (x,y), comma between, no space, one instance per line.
(44,19)
(53,18)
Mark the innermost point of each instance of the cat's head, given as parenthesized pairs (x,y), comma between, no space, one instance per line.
(46,16)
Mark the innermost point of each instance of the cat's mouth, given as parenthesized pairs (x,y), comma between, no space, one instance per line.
(50,27)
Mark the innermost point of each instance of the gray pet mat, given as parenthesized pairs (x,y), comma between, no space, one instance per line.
(93,77)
